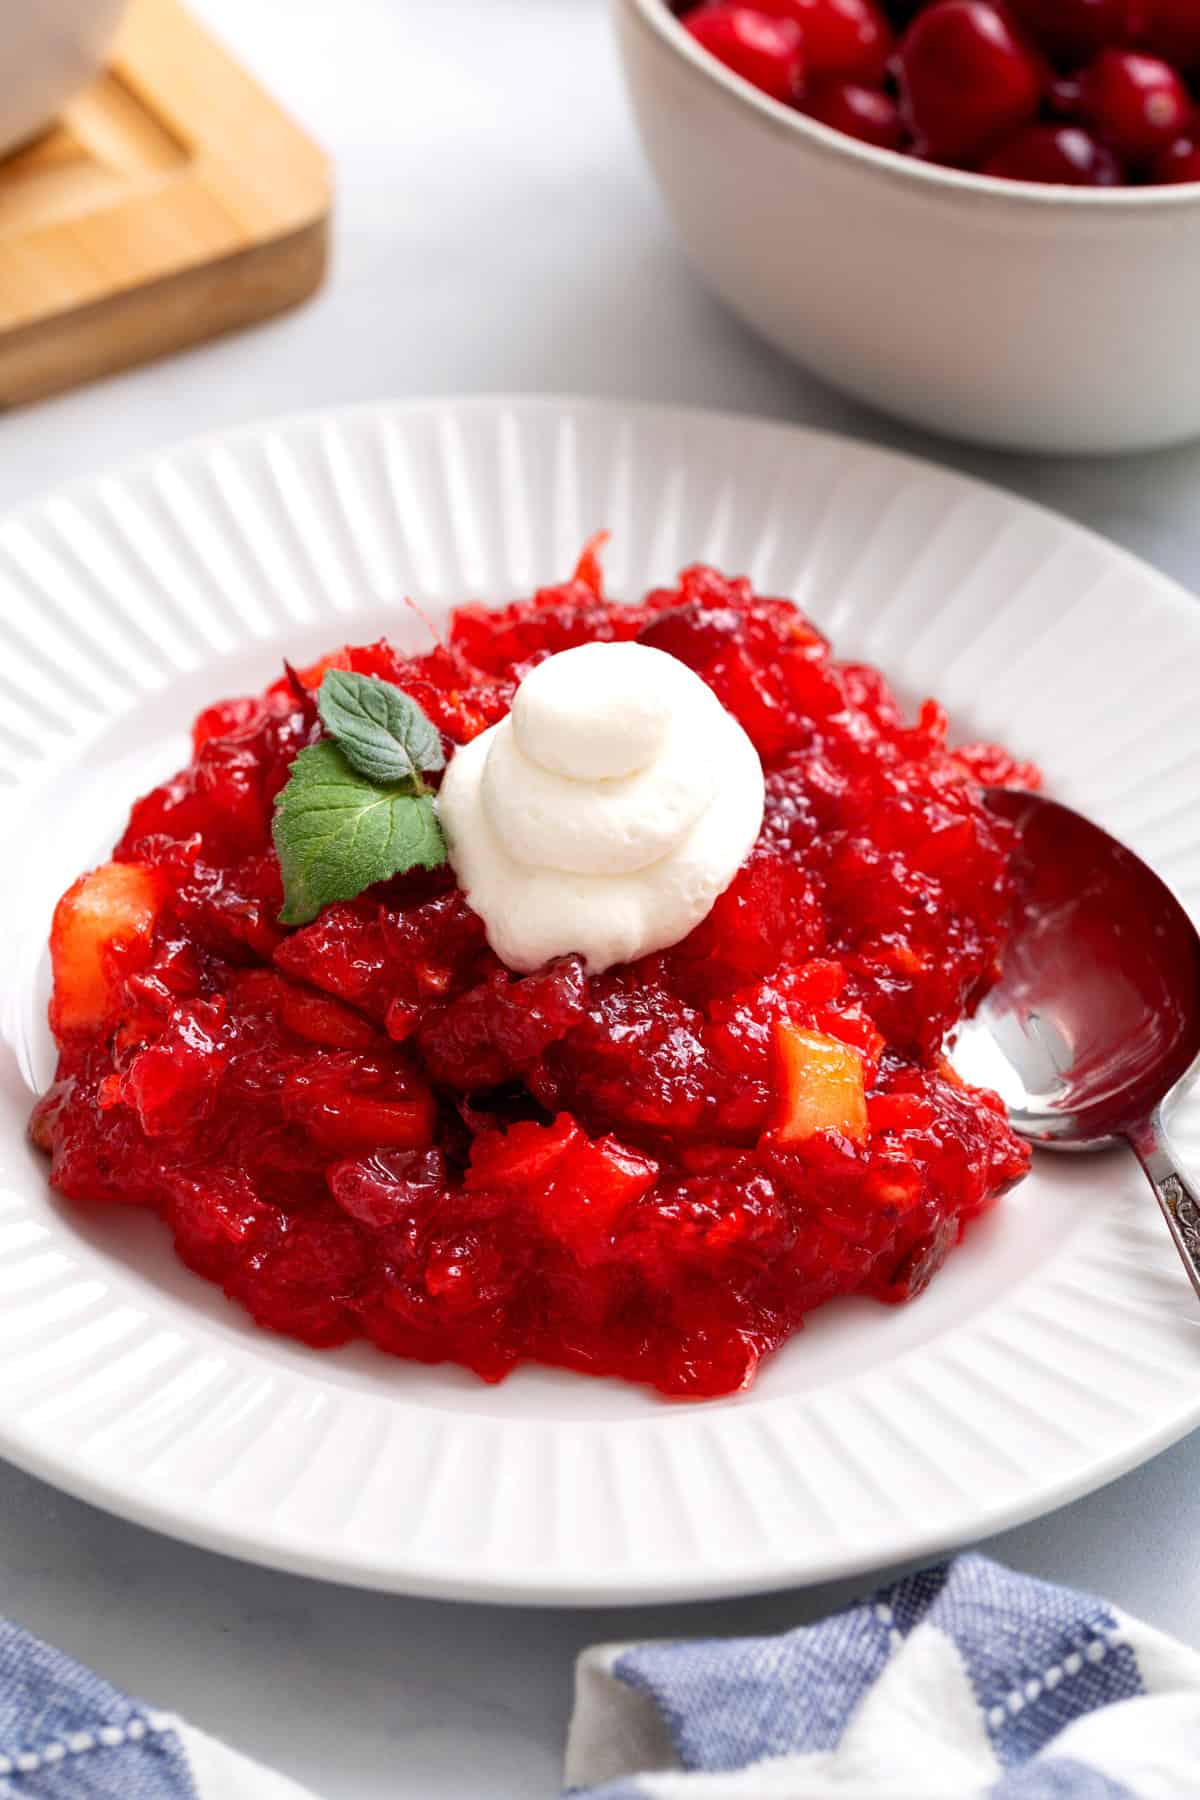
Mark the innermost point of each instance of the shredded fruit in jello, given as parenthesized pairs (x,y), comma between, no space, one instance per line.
(369,1127)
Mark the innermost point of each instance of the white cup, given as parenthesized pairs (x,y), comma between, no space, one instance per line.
(51,49)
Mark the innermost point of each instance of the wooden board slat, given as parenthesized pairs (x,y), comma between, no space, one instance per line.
(173,201)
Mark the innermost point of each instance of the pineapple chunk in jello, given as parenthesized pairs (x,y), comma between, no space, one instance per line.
(821,1086)
(101,932)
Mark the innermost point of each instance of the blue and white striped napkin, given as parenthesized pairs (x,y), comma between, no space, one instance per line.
(65,1734)
(966,1682)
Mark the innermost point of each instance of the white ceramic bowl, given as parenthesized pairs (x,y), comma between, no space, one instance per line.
(51,49)
(1018,315)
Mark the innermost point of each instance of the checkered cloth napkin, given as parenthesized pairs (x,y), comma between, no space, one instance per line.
(67,1735)
(964,1682)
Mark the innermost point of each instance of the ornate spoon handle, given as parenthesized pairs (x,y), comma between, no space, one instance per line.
(1176,1196)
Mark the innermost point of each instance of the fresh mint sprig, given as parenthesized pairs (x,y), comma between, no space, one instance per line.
(379,730)
(355,809)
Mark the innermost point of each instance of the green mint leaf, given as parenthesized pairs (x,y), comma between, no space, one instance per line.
(337,833)
(380,731)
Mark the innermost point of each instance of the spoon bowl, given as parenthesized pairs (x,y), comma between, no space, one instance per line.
(1096,1016)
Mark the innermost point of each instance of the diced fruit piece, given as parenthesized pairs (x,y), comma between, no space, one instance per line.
(577,1186)
(315,1017)
(174,1082)
(345,952)
(820,1086)
(766,52)
(900,1112)
(364,1121)
(101,932)
(323,1021)
(817,982)
(524,1155)
(349,1102)
(592,1188)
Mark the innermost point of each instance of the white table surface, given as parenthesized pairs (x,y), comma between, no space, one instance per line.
(496,230)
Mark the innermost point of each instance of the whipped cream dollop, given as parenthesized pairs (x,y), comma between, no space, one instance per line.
(608,811)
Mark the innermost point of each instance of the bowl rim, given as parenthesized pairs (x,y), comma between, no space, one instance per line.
(656,17)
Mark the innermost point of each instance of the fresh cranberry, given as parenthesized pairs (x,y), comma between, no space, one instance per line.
(1138,103)
(860,112)
(1056,153)
(1074,30)
(766,52)
(1172,31)
(1180,161)
(967,80)
(844,40)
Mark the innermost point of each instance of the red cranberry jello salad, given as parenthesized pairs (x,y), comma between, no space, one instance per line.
(575,992)
(1083,93)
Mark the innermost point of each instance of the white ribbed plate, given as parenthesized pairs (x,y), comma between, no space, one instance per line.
(1058,1347)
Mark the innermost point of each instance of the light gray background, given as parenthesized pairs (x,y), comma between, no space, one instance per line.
(496,230)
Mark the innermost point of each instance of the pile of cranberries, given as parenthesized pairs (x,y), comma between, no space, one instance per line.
(1090,93)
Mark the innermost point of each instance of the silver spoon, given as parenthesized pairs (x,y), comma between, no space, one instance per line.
(1096,1016)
